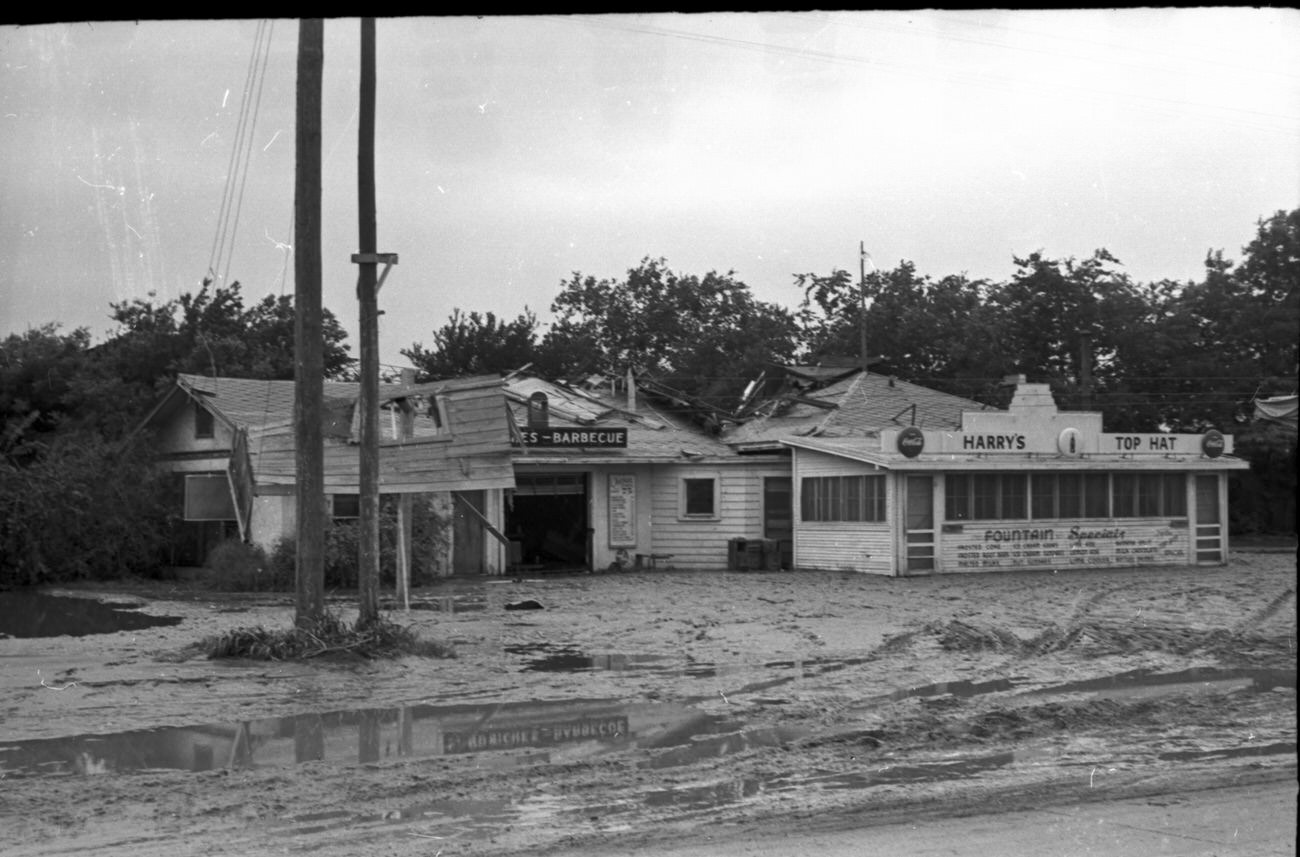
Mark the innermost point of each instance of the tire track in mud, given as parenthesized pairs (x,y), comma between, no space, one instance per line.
(1099,637)
(1268,611)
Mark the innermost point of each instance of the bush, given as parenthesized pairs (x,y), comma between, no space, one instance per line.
(236,566)
(79,507)
(430,537)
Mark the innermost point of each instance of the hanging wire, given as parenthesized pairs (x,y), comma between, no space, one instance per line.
(248,145)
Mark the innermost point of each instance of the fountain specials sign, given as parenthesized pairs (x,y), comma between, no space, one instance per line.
(976,547)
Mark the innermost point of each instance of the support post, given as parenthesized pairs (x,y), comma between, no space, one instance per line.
(309,342)
(862,301)
(367,296)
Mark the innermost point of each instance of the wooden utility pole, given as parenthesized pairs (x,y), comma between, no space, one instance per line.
(1085,369)
(862,309)
(367,295)
(308,332)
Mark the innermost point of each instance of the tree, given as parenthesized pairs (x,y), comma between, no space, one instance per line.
(476,344)
(1050,306)
(704,336)
(934,333)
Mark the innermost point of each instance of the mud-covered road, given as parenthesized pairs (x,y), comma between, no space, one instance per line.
(647,709)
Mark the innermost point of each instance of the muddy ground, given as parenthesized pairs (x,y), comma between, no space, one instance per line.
(648,708)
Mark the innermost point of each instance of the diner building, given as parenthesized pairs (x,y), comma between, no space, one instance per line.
(1030,487)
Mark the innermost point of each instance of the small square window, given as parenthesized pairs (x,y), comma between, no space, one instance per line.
(698,498)
(346,505)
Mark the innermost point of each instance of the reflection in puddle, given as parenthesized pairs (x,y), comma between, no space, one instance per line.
(32,614)
(565,730)
(548,658)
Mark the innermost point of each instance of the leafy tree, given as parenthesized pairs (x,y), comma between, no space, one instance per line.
(934,333)
(476,344)
(210,332)
(1202,351)
(1050,306)
(83,508)
(39,369)
(704,336)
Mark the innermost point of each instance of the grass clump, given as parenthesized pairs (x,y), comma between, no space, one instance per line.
(330,635)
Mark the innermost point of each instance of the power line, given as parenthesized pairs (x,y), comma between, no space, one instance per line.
(223,243)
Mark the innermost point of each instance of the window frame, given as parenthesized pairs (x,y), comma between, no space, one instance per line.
(209,478)
(684,497)
(858,498)
(205,423)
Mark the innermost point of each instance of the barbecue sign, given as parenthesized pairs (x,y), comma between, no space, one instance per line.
(576,437)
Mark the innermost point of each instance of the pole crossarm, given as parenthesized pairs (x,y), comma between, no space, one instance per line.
(388,260)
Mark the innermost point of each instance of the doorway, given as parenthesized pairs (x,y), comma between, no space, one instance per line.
(548,516)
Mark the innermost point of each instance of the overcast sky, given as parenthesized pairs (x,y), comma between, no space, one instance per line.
(513,151)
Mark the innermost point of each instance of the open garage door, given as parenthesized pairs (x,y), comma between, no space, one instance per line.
(547,514)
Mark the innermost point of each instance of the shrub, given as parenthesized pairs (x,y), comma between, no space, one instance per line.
(328,636)
(81,507)
(236,566)
(430,538)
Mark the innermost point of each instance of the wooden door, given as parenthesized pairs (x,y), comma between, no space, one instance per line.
(467,549)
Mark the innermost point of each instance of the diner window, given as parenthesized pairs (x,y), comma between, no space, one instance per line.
(843,498)
(986,496)
(1044,495)
(699,497)
(1071,488)
(956,502)
(1096,495)
(1174,495)
(1124,495)
(204,425)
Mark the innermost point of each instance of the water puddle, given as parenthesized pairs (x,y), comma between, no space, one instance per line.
(472,603)
(550,658)
(31,614)
(1229,752)
(558,730)
(1141,684)
(961,689)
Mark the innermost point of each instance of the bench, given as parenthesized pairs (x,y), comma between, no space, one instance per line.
(648,560)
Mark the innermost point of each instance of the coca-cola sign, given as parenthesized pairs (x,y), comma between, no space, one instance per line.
(1213,444)
(911,441)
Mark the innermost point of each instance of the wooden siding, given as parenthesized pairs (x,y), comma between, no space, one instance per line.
(845,547)
(702,544)
(841,545)
(474,455)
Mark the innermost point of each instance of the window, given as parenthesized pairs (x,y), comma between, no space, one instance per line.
(956,504)
(699,497)
(1124,495)
(1044,495)
(345,506)
(987,496)
(1106,495)
(204,425)
(207,498)
(842,498)
(1096,494)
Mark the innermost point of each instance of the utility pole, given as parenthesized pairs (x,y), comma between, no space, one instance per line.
(368,285)
(862,309)
(308,331)
(367,295)
(1085,369)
